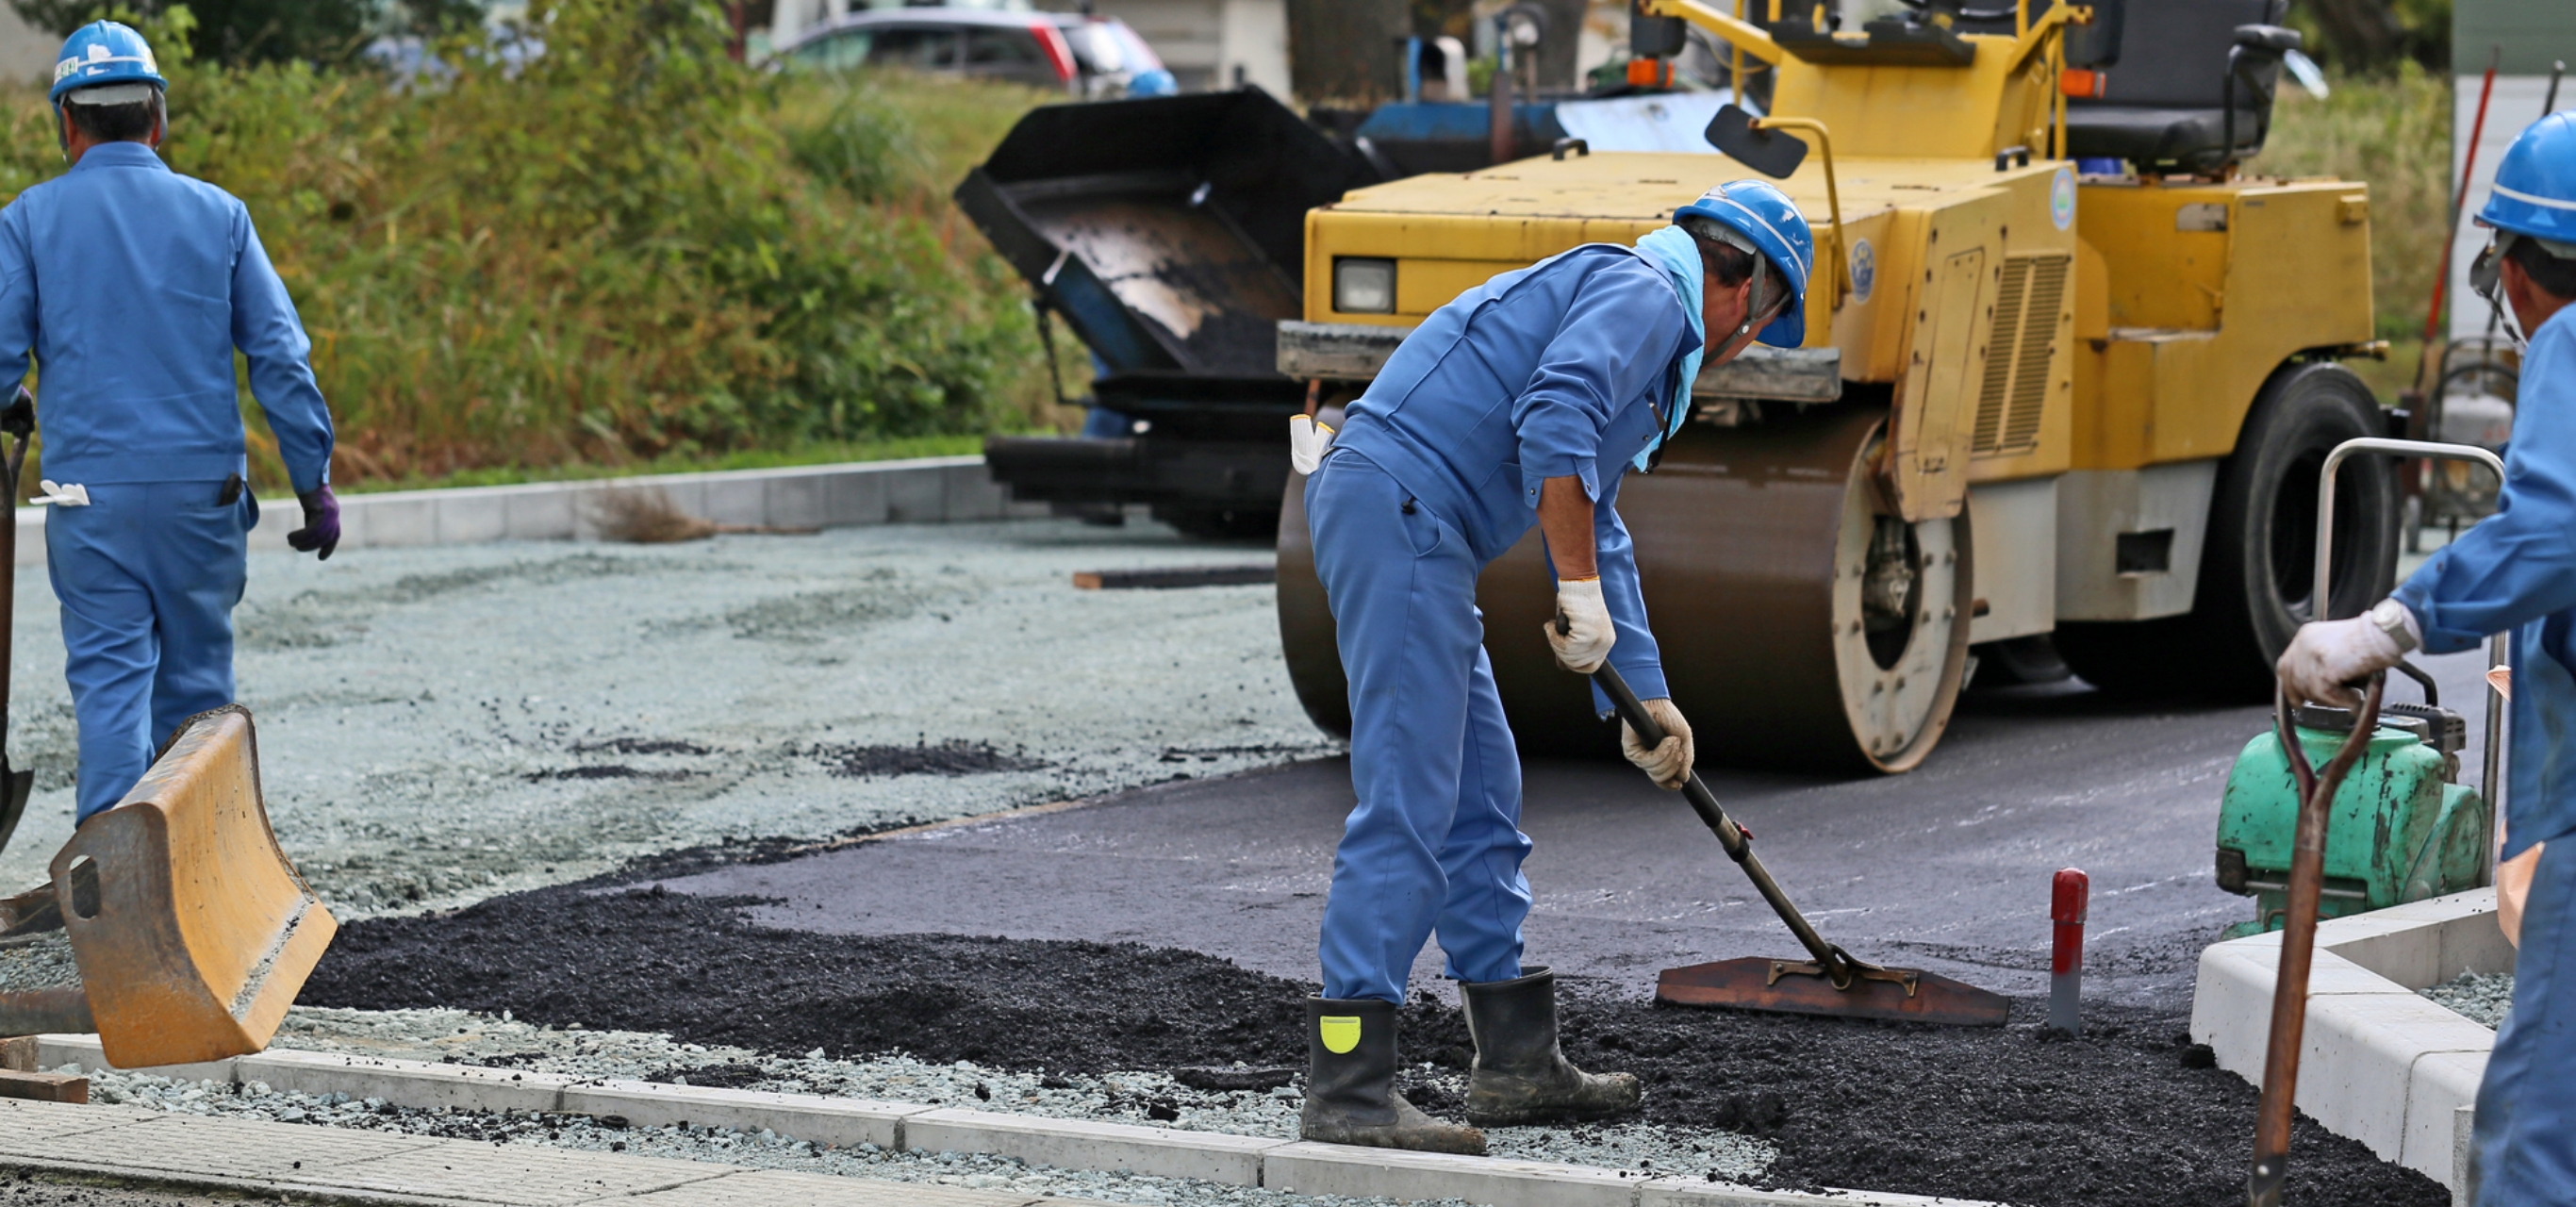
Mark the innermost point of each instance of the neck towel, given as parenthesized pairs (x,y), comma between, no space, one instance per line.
(1674,250)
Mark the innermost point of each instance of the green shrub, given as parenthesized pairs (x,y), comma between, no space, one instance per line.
(628,249)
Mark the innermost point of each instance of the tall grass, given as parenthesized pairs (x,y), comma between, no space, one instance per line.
(628,251)
(2392,130)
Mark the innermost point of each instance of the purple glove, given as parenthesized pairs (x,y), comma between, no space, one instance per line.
(321,530)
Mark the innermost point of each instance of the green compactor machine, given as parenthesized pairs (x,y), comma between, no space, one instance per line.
(2403,827)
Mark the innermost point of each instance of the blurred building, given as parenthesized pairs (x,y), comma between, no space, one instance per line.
(2532,36)
(26,52)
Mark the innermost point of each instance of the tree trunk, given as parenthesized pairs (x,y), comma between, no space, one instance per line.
(2359,34)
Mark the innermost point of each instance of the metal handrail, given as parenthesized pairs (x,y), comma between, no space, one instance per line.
(2321,601)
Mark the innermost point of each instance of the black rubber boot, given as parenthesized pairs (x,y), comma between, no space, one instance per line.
(1520,1076)
(1350,1084)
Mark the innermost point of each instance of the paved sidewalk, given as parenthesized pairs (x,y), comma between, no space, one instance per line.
(385,1167)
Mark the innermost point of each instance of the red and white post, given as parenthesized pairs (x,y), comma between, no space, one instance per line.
(2068,899)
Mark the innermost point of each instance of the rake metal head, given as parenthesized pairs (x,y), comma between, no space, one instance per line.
(1790,987)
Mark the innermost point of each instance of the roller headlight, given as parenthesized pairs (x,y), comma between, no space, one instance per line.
(1363,285)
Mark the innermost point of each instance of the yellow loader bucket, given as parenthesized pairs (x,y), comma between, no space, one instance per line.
(192,931)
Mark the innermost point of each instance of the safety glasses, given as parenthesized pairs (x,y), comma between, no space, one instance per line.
(2486,273)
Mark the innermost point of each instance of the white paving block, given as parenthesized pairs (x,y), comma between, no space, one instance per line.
(227,1147)
(796,1116)
(1305,1168)
(23,1120)
(2379,1063)
(2443,1084)
(2464,1134)
(410,1083)
(520,1174)
(777,1188)
(53,1051)
(1081,1144)
(2360,1057)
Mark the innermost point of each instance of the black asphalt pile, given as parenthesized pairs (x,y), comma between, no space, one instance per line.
(924,758)
(2129,1115)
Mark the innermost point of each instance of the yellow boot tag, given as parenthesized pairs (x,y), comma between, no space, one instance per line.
(1341,1034)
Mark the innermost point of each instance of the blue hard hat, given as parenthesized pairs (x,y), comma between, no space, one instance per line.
(1772,224)
(2535,186)
(1152,82)
(104,52)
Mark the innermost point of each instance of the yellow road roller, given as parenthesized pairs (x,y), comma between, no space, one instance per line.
(2071,370)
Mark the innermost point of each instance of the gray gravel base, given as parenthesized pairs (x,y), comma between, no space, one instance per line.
(38,961)
(1149,1098)
(761,1150)
(2483,997)
(438,725)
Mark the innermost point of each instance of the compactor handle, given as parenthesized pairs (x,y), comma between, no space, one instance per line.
(2321,597)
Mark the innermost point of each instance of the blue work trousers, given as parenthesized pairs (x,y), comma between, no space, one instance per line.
(1435,840)
(147,576)
(2526,1125)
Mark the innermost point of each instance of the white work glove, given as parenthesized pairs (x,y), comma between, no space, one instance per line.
(1587,638)
(2327,657)
(1669,763)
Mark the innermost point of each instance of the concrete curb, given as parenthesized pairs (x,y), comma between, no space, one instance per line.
(286,1162)
(2381,1063)
(1039,1140)
(922,490)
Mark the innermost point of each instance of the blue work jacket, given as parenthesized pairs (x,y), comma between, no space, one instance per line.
(133,284)
(1562,369)
(2516,570)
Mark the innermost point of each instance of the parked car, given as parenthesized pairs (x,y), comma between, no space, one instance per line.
(1088,56)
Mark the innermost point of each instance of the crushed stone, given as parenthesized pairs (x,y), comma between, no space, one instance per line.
(37,961)
(2483,997)
(763,1149)
(2122,1116)
(440,724)
(1154,1098)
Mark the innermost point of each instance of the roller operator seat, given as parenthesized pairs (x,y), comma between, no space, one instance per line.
(2165,104)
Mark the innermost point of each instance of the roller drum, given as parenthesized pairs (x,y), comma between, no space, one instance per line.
(1799,626)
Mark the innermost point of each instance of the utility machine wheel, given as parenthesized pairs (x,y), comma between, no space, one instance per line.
(1798,624)
(2258,567)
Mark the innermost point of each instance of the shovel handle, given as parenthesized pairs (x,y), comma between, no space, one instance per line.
(1839,966)
(2277,1109)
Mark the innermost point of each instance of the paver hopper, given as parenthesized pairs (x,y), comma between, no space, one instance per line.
(192,931)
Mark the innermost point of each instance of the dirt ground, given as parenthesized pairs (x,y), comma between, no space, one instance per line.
(2130,1115)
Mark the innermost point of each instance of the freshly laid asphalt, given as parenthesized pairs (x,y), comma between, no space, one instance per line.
(1947,868)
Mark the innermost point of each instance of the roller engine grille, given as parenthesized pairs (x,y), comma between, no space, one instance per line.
(2015,391)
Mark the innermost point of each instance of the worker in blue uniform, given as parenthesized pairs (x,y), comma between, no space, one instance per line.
(1519,403)
(133,285)
(2515,571)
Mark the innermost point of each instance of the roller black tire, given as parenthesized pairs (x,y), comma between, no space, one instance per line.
(2258,561)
